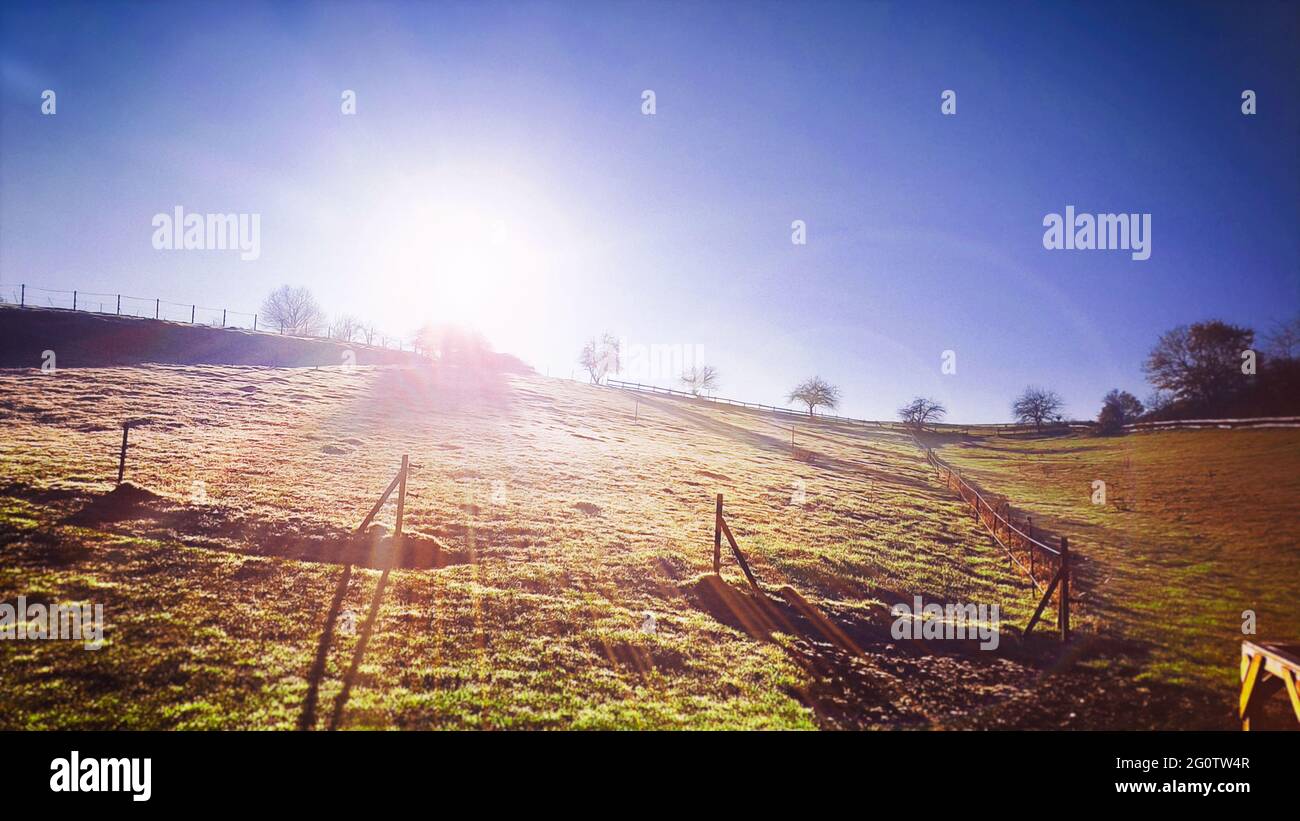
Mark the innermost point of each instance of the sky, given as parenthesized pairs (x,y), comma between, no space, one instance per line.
(500,172)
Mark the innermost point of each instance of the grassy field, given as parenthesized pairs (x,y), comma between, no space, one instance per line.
(1195,528)
(573,526)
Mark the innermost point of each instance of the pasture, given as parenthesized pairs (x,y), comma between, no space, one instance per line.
(571,528)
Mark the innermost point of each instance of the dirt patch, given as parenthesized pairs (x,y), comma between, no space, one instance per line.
(126,501)
(137,511)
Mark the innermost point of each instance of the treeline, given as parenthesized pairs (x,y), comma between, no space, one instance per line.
(1209,369)
(296,312)
(1215,369)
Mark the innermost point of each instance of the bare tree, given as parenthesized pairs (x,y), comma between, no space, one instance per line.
(700,378)
(1037,405)
(920,412)
(345,328)
(1200,362)
(1284,340)
(814,393)
(294,310)
(600,357)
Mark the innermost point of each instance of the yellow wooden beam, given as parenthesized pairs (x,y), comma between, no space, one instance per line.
(1250,675)
(1289,678)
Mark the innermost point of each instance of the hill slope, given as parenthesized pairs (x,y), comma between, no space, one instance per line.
(82,340)
(559,575)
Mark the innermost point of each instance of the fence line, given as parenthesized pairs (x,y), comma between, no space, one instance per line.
(996,518)
(998,429)
(22,295)
(952,427)
(1197,424)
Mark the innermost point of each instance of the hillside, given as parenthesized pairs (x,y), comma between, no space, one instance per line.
(81,340)
(559,568)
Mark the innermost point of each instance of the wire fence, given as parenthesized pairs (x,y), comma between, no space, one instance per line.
(30,296)
(1034,557)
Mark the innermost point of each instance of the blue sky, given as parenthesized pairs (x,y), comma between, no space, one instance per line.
(499,172)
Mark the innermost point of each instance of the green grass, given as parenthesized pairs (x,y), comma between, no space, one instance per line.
(1197,527)
(577,519)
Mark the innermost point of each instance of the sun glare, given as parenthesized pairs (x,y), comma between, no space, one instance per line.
(468,252)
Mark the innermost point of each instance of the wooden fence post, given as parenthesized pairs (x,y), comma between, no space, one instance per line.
(192,310)
(1063,614)
(157,303)
(22,296)
(717,536)
(119,304)
(121,459)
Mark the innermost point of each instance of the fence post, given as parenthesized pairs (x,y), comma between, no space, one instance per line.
(255,322)
(1063,614)
(156,303)
(121,459)
(119,304)
(22,298)
(74,300)
(717,536)
(223,317)
(192,309)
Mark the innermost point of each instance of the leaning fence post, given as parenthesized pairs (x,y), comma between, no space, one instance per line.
(121,459)
(1063,614)
(717,536)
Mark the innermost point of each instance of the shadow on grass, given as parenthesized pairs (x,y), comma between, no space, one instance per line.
(154,516)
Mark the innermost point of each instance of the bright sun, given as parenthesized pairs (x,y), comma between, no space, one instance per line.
(472,252)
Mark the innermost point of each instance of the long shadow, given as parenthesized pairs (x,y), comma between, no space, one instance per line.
(307,720)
